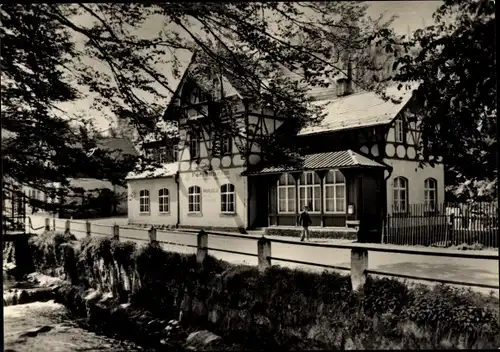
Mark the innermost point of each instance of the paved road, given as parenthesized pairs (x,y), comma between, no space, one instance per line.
(459,269)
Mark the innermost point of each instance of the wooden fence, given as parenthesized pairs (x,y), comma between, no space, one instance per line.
(358,269)
(448,224)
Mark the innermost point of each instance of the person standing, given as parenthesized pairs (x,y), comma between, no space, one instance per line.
(304,221)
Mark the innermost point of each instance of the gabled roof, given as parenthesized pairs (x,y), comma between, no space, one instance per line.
(362,109)
(166,170)
(122,146)
(344,159)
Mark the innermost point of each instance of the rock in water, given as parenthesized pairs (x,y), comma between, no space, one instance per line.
(201,339)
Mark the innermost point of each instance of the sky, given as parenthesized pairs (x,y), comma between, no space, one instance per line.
(411,15)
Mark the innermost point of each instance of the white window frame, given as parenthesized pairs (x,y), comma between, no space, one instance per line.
(226,191)
(144,202)
(399,130)
(334,186)
(164,201)
(310,187)
(430,204)
(194,138)
(397,201)
(288,185)
(194,200)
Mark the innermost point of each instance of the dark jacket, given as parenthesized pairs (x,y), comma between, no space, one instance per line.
(304,219)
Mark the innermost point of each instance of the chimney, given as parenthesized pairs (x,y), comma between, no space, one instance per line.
(348,88)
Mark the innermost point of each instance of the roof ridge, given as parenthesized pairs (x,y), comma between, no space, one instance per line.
(353,156)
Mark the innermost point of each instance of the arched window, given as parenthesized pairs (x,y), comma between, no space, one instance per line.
(430,194)
(400,195)
(227,198)
(144,201)
(163,201)
(286,194)
(194,199)
(310,191)
(335,199)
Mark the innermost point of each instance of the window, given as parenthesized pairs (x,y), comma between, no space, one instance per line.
(310,191)
(144,201)
(38,195)
(194,145)
(227,201)
(400,195)
(32,194)
(334,188)
(194,199)
(227,145)
(162,155)
(399,130)
(430,194)
(163,201)
(286,194)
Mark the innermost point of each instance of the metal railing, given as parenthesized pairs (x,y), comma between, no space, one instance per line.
(359,251)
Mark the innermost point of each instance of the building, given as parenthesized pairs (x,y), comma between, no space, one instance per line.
(362,162)
(119,147)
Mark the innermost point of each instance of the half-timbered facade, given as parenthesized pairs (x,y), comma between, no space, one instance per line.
(361,162)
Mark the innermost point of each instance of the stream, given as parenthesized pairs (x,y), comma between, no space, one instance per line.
(47,327)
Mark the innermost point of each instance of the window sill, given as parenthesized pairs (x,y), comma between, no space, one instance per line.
(144,214)
(336,213)
(228,214)
(195,214)
(164,213)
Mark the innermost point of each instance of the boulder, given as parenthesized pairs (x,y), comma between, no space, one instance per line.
(200,340)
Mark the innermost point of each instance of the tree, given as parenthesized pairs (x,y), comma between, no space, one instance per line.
(456,69)
(49,50)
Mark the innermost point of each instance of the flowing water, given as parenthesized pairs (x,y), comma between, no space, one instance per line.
(46,327)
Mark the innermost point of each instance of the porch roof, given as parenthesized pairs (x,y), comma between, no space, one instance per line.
(344,159)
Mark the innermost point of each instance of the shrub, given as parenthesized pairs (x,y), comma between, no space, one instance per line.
(296,232)
(286,308)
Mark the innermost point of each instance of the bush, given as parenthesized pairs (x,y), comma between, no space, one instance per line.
(284,308)
(296,232)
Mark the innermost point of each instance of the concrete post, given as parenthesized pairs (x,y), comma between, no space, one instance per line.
(152,234)
(202,251)
(47,224)
(359,265)
(264,254)
(87,224)
(67,226)
(116,232)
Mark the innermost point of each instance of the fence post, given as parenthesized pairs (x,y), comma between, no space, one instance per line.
(116,232)
(67,226)
(451,227)
(47,224)
(202,251)
(264,254)
(88,226)
(152,234)
(359,265)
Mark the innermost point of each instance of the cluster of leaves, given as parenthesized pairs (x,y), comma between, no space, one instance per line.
(455,65)
(50,51)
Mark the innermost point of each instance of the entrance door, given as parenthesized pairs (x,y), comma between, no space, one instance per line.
(261,189)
